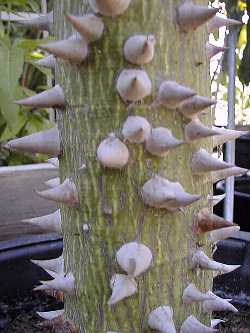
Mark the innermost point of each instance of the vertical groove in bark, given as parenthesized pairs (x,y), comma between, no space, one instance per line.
(110,199)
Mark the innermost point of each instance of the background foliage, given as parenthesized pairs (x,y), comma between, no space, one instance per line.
(237,9)
(19,77)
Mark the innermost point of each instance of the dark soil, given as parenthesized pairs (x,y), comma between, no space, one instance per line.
(235,322)
(18,315)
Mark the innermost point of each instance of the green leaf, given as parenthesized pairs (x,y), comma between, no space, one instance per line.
(8,108)
(11,66)
(28,44)
(10,133)
(35,5)
(31,44)
(36,123)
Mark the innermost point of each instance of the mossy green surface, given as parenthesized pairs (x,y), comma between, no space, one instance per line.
(110,200)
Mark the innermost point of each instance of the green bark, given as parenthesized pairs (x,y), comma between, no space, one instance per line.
(110,200)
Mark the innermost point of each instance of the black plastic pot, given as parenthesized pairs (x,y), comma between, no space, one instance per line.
(18,274)
(235,285)
(236,250)
(241,202)
(242,151)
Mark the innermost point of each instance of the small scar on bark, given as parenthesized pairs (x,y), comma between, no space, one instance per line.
(198,63)
(86,227)
(149,163)
(122,199)
(140,226)
(107,210)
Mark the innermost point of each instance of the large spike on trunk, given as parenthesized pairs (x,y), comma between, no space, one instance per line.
(136,129)
(191,16)
(159,192)
(53,182)
(112,153)
(134,258)
(206,221)
(224,233)
(133,85)
(140,49)
(122,287)
(50,98)
(64,193)
(226,135)
(172,94)
(195,130)
(201,260)
(212,50)
(89,26)
(74,50)
(219,21)
(217,304)
(110,7)
(45,142)
(192,324)
(191,295)
(193,106)
(54,265)
(41,22)
(48,223)
(64,283)
(229,172)
(161,141)
(161,319)
(203,162)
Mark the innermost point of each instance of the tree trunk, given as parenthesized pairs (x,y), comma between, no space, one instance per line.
(110,200)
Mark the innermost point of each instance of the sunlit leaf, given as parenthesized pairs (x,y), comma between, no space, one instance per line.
(11,66)
(243,37)
(9,133)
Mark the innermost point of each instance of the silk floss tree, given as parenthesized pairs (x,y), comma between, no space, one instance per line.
(134,142)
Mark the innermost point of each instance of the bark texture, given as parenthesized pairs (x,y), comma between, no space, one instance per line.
(110,200)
